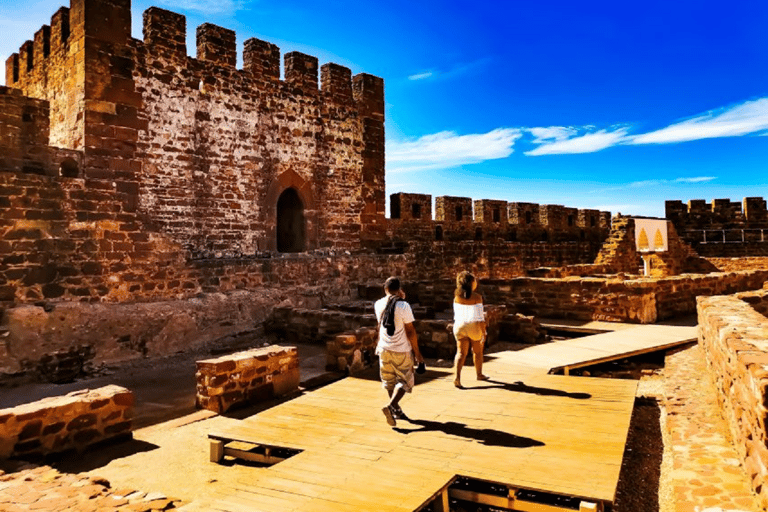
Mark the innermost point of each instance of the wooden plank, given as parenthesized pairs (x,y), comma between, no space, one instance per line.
(350,454)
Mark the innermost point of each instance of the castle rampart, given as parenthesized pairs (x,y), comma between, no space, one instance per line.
(723,227)
(131,172)
(461,218)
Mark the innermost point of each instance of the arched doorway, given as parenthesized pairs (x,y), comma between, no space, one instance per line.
(290,222)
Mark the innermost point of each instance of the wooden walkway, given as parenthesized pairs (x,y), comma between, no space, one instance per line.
(524,430)
(601,348)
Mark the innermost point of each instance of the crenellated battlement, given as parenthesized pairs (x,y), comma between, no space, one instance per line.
(262,59)
(217,45)
(461,218)
(164,35)
(751,212)
(722,227)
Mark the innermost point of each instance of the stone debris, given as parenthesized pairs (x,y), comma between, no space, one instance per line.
(29,487)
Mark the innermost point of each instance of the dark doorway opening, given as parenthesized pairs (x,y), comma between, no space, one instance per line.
(290,222)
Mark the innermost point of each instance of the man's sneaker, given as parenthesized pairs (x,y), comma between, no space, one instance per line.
(389,413)
(399,414)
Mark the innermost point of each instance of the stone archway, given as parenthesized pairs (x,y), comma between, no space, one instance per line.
(290,229)
(290,194)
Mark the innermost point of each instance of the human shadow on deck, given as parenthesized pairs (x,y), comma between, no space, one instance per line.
(486,436)
(522,387)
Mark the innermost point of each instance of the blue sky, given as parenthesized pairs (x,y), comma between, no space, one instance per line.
(609,105)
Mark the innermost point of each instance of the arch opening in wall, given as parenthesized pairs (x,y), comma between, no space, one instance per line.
(291,222)
(69,168)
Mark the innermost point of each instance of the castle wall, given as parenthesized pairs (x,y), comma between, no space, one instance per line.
(488,220)
(221,144)
(614,299)
(722,228)
(50,68)
(731,332)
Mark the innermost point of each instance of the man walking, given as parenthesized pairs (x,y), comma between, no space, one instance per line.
(398,343)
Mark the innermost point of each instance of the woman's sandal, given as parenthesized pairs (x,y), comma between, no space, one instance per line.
(482,377)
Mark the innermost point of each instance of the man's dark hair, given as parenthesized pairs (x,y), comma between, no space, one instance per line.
(392,284)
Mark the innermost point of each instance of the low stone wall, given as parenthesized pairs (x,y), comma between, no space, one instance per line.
(615,299)
(247,377)
(63,423)
(733,336)
(351,351)
(737,264)
(315,325)
(522,329)
(57,342)
(584,270)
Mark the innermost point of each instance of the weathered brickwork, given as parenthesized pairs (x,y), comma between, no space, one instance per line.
(616,299)
(132,173)
(732,334)
(461,218)
(58,424)
(247,377)
(222,144)
(743,263)
(210,146)
(619,254)
(722,228)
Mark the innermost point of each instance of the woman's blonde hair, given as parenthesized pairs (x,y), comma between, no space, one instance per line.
(464,284)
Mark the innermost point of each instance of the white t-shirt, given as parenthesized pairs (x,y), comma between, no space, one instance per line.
(398,342)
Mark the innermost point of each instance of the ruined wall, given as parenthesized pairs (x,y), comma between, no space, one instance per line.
(620,254)
(246,377)
(743,263)
(732,334)
(722,228)
(615,299)
(62,423)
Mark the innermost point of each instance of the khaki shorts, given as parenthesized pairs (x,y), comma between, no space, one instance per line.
(471,331)
(396,368)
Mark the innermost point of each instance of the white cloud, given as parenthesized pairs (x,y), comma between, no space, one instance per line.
(420,76)
(204,6)
(698,179)
(552,134)
(748,117)
(656,183)
(587,143)
(447,149)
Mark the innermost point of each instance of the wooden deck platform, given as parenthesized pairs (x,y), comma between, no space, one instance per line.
(523,431)
(600,348)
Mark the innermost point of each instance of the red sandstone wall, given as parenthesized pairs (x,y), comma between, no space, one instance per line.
(51,68)
(722,228)
(731,332)
(736,264)
(617,300)
(221,144)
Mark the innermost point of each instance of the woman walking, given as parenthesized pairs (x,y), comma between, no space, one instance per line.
(468,324)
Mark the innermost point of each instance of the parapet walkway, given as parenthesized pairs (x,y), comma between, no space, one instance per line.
(524,440)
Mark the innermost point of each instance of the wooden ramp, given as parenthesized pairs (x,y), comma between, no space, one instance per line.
(561,438)
(600,348)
